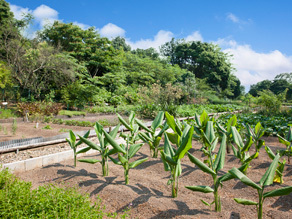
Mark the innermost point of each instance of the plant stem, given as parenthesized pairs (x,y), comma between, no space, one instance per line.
(126,176)
(260,205)
(104,167)
(174,183)
(75,157)
(155,153)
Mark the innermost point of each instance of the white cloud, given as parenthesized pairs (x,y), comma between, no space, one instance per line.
(195,36)
(83,26)
(111,30)
(232,18)
(160,38)
(251,66)
(44,15)
(19,11)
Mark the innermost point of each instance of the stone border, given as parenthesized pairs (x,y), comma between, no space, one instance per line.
(39,162)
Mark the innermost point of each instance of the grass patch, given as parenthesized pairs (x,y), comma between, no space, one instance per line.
(72,113)
(6,114)
(18,200)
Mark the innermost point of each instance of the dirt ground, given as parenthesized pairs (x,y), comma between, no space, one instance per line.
(29,130)
(149,196)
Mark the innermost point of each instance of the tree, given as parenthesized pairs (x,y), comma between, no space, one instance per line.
(143,53)
(260,86)
(120,43)
(95,52)
(205,60)
(5,75)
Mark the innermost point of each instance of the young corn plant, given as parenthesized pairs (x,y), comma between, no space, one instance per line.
(256,135)
(125,153)
(102,148)
(215,164)
(266,180)
(72,142)
(231,122)
(200,124)
(242,151)
(171,157)
(151,137)
(287,141)
(279,171)
(131,126)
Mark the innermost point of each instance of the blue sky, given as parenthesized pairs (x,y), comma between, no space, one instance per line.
(256,32)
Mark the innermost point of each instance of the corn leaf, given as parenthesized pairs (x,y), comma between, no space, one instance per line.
(278,192)
(201,165)
(72,136)
(122,159)
(137,162)
(172,123)
(185,145)
(144,137)
(167,148)
(268,177)
(92,161)
(113,143)
(158,120)
(134,149)
(236,137)
(84,150)
(245,201)
(204,189)
(232,122)
(124,123)
(90,144)
(173,137)
(227,176)
(115,161)
(142,125)
(243,178)
(84,136)
(220,159)
(210,134)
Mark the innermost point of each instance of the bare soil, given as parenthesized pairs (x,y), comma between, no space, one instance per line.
(30,129)
(149,196)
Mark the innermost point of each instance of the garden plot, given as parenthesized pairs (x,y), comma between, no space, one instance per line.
(149,196)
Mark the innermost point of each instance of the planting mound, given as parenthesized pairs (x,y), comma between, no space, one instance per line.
(149,196)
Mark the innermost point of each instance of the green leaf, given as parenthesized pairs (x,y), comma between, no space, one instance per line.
(185,145)
(142,125)
(90,144)
(84,150)
(72,136)
(268,177)
(144,137)
(245,201)
(137,162)
(122,159)
(169,160)
(134,148)
(278,192)
(167,148)
(115,131)
(165,163)
(247,144)
(201,165)
(115,161)
(98,128)
(204,189)
(236,137)
(243,178)
(113,143)
(172,124)
(205,203)
(173,137)
(92,161)
(84,136)
(132,118)
(270,152)
(124,123)
(232,122)
(158,120)
(210,134)
(228,176)
(220,159)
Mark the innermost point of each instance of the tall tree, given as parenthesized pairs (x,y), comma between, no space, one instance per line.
(205,60)
(95,52)
(120,43)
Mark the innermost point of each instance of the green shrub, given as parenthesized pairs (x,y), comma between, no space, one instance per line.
(18,200)
(6,113)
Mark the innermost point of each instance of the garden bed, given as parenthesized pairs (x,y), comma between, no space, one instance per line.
(148,195)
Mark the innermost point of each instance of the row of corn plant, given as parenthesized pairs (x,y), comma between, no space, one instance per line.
(178,142)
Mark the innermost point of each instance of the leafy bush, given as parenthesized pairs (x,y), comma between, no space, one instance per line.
(41,108)
(72,113)
(6,113)
(18,200)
